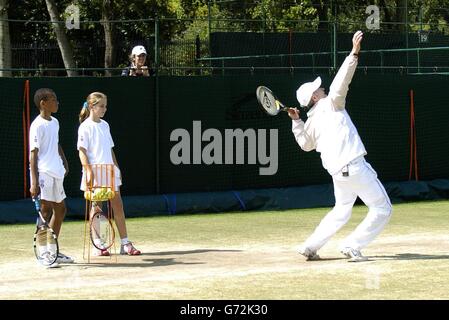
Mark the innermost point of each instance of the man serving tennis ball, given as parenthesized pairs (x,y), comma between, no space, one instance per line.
(330,131)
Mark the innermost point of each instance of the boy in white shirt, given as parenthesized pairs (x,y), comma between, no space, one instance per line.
(330,131)
(48,165)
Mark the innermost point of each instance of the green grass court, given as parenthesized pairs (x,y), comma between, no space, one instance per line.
(248,255)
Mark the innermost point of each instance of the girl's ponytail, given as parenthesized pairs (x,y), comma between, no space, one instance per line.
(91,100)
(84,114)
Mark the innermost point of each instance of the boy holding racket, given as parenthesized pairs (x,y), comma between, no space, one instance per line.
(330,131)
(95,147)
(48,165)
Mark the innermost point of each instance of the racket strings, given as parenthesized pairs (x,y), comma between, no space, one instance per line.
(102,232)
(268,101)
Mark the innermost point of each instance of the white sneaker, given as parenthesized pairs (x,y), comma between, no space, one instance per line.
(353,255)
(54,265)
(62,258)
(46,260)
(309,254)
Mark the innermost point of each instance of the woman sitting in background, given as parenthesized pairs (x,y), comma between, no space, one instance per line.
(138,68)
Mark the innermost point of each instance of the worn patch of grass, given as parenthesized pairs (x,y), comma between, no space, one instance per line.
(243,255)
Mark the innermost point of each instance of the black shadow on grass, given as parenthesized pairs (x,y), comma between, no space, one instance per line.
(328,259)
(169,253)
(145,263)
(149,262)
(411,256)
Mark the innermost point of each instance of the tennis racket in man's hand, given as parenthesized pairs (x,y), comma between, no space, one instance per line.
(269,102)
(45,242)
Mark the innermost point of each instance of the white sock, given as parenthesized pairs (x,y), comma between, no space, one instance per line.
(124,241)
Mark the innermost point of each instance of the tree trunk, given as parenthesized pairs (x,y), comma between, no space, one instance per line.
(322,8)
(401,15)
(108,36)
(63,41)
(5,41)
(387,14)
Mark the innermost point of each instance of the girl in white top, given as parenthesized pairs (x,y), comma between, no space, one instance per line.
(95,147)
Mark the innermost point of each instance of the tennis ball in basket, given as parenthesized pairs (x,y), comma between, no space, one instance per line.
(101,193)
(110,194)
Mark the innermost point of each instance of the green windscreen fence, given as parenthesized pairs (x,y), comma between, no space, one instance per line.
(199,134)
(379,106)
(277,52)
(11,139)
(432,131)
(130,115)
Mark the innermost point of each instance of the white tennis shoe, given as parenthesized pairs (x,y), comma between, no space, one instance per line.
(54,265)
(309,254)
(46,259)
(353,255)
(62,258)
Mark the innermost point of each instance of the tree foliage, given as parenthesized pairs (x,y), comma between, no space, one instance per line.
(133,22)
(273,15)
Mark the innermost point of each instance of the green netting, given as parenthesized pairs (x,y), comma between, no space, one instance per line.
(230,103)
(432,134)
(11,139)
(239,52)
(131,118)
(144,112)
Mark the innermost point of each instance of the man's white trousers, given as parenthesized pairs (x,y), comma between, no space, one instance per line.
(361,182)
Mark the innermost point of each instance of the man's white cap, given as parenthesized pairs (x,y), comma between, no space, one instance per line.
(305,91)
(138,50)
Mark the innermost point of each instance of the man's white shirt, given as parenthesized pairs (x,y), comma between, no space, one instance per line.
(44,135)
(329,128)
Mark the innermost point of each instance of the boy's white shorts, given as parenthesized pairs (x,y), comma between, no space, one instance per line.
(52,189)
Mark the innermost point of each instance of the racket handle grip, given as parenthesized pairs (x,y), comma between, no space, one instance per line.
(37,203)
(39,222)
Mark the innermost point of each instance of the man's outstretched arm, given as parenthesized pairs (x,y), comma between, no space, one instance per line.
(340,86)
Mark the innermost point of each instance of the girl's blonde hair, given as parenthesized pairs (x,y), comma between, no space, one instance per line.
(91,100)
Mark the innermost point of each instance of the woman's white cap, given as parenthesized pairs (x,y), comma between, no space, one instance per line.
(138,50)
(305,91)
